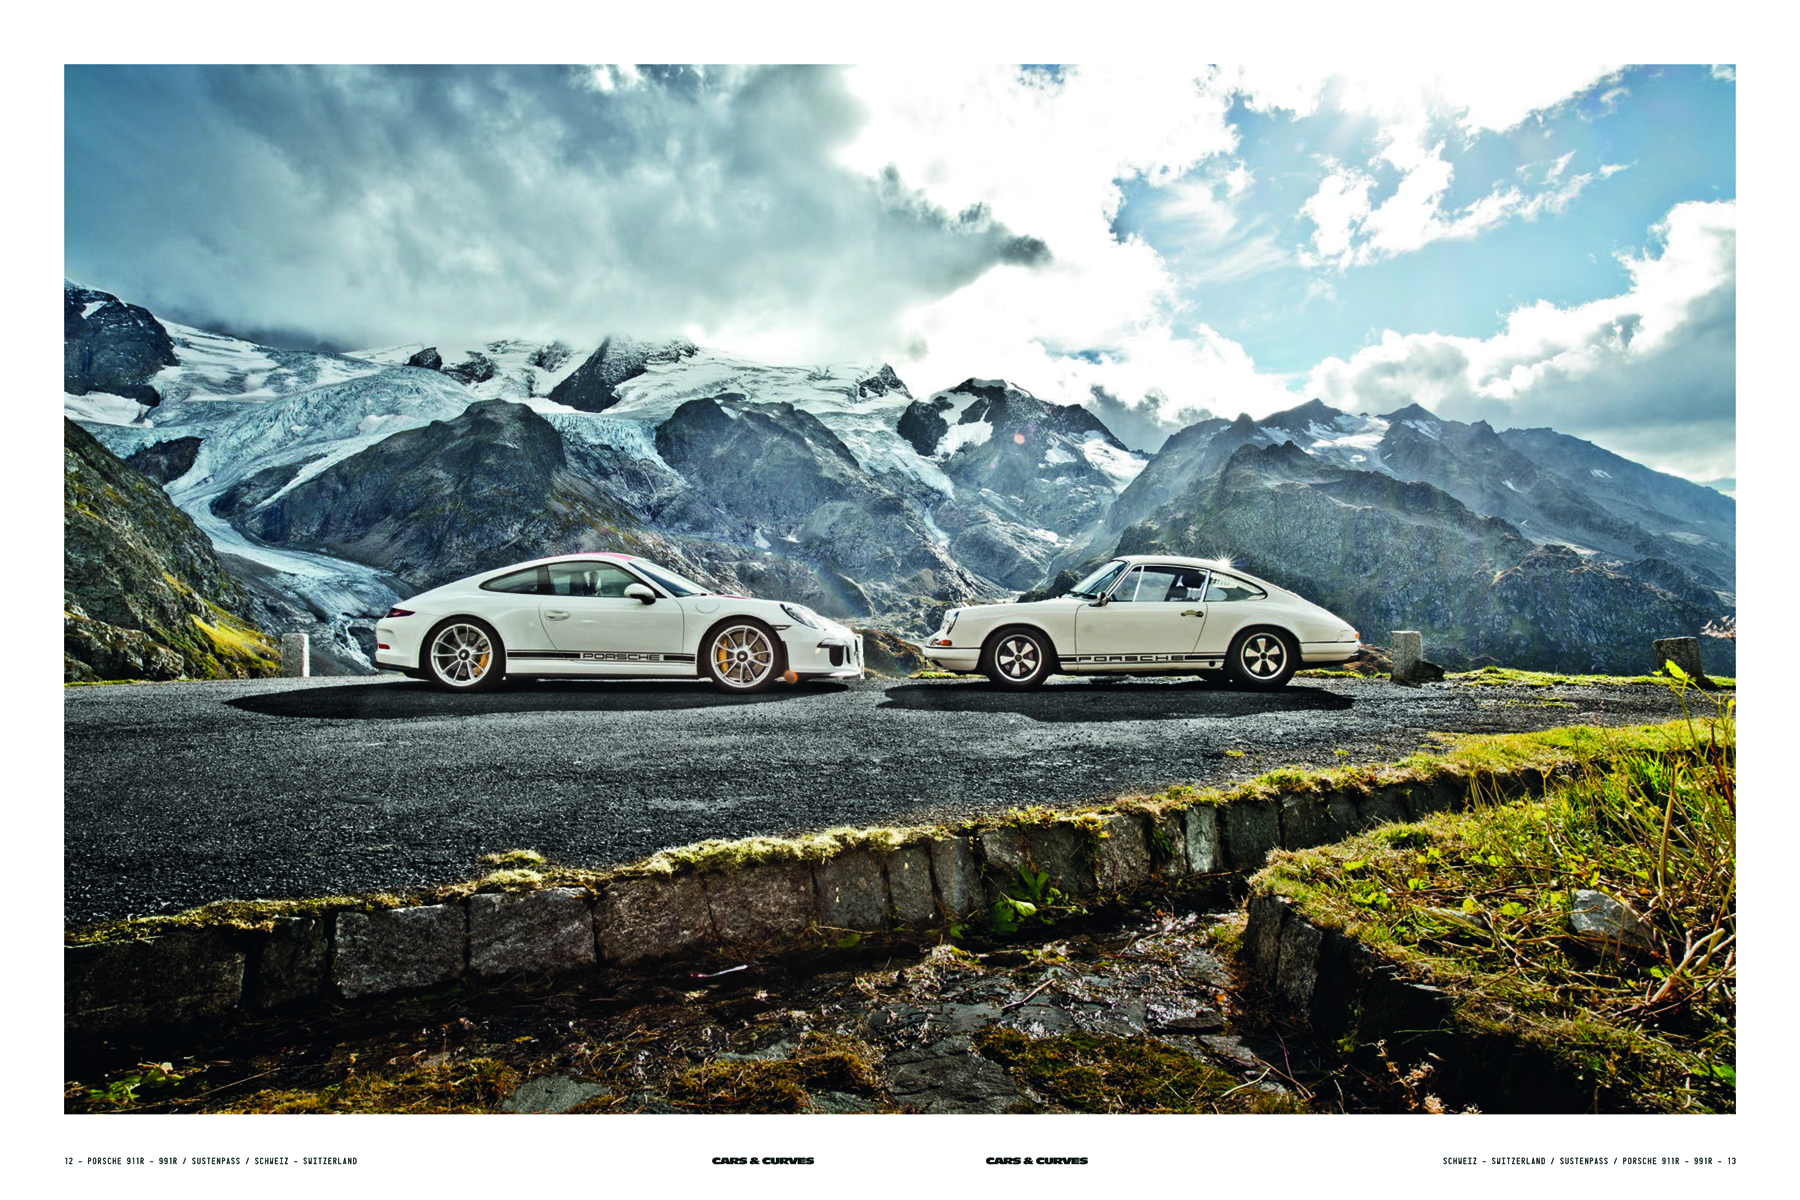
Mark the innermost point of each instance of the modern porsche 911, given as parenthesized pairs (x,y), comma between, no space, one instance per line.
(607,616)
(1147,614)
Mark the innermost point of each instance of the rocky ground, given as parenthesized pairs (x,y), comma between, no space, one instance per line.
(1135,1011)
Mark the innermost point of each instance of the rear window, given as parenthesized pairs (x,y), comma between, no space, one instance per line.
(530,581)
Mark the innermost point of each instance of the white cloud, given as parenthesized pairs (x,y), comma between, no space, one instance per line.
(1642,372)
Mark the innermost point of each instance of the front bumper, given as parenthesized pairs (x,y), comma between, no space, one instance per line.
(833,652)
(964,660)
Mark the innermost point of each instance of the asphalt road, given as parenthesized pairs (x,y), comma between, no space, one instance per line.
(178,794)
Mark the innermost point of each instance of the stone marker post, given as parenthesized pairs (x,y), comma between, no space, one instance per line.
(1410,665)
(1684,652)
(296,657)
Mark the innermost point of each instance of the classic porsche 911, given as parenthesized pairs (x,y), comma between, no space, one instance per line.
(1144,614)
(606,615)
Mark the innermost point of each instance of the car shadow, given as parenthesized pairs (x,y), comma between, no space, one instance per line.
(1112,701)
(400,700)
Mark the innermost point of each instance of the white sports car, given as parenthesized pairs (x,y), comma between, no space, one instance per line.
(606,616)
(1142,614)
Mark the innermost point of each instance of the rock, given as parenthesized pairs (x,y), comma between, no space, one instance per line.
(166,980)
(110,346)
(1683,652)
(427,358)
(533,933)
(144,595)
(295,962)
(477,368)
(1410,664)
(1252,828)
(909,886)
(593,386)
(1122,859)
(761,903)
(164,461)
(949,1077)
(852,892)
(550,1094)
(399,948)
(655,917)
(1608,923)
(957,876)
(1202,826)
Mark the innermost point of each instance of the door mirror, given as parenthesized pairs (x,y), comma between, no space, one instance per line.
(1101,601)
(638,591)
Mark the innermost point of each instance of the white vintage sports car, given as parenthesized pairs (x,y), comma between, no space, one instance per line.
(607,616)
(1142,614)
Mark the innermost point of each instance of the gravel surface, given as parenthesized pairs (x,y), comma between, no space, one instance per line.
(178,794)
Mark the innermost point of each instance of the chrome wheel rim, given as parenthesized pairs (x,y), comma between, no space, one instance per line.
(1018,657)
(1263,656)
(743,656)
(462,655)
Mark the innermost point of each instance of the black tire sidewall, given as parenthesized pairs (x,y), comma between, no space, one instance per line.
(1243,678)
(991,659)
(496,670)
(777,669)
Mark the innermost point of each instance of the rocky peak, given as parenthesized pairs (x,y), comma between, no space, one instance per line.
(594,385)
(882,383)
(110,346)
(427,358)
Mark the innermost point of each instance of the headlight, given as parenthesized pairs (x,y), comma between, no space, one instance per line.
(802,614)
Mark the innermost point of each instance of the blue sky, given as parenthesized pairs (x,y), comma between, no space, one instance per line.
(1521,244)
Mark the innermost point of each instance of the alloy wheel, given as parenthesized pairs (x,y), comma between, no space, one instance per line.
(461,655)
(742,656)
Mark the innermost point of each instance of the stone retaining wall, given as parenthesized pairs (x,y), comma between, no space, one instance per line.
(634,917)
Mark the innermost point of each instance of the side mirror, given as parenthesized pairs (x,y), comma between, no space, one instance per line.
(1101,601)
(638,591)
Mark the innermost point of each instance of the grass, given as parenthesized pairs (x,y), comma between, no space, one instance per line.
(1514,677)
(1102,1073)
(1480,904)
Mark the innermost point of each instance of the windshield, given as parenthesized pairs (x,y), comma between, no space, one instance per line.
(675,585)
(1099,581)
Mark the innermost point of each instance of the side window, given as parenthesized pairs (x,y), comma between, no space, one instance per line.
(530,581)
(1224,589)
(1157,584)
(598,579)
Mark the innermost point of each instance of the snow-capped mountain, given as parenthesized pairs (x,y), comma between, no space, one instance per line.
(333,484)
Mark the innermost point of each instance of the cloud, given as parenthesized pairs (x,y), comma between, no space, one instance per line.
(1649,373)
(396,204)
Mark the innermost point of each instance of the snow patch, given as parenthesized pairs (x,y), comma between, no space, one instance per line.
(1509,483)
(1120,466)
(1056,456)
(1597,473)
(103,407)
(972,433)
(1430,429)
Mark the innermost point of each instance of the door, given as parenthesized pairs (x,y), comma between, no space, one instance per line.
(588,613)
(1155,615)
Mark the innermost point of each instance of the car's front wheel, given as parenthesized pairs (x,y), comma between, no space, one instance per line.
(464,655)
(1018,658)
(1261,659)
(744,656)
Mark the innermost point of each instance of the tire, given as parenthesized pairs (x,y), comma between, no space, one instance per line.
(464,654)
(1263,659)
(1018,659)
(743,655)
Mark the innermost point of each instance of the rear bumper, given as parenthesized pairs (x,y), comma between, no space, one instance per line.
(1329,652)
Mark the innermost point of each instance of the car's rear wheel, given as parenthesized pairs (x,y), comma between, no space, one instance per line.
(744,656)
(464,654)
(1261,658)
(1018,658)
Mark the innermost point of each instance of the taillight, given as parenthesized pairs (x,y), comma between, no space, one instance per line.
(399,612)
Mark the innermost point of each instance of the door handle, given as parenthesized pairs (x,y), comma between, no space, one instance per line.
(555,614)
(1192,612)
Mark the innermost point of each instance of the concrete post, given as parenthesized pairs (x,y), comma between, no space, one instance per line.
(296,657)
